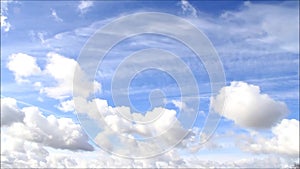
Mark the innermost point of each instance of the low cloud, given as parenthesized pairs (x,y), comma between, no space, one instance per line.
(248,107)
(10,112)
(285,140)
(30,124)
(23,66)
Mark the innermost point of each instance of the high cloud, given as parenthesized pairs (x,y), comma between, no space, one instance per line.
(247,106)
(5,25)
(55,16)
(84,6)
(188,9)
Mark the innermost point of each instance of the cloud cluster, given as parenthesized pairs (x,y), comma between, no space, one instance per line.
(129,129)
(30,124)
(285,140)
(247,106)
(58,74)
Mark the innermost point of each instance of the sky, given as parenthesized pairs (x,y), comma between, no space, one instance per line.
(149,84)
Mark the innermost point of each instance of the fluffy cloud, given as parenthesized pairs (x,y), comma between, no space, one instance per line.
(159,127)
(247,106)
(285,140)
(10,112)
(62,70)
(29,124)
(23,65)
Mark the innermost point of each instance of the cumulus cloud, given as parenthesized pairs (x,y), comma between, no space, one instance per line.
(160,123)
(285,140)
(84,6)
(62,70)
(23,65)
(247,106)
(10,112)
(29,124)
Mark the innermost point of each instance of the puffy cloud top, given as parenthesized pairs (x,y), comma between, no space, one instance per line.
(31,125)
(247,106)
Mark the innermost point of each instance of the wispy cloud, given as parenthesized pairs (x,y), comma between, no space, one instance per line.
(5,25)
(55,16)
(188,9)
(84,6)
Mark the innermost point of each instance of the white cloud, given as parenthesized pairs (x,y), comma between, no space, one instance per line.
(10,112)
(62,69)
(84,6)
(5,25)
(265,24)
(55,16)
(160,123)
(247,106)
(29,124)
(23,65)
(188,9)
(285,140)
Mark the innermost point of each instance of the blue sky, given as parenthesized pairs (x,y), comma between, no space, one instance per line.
(41,44)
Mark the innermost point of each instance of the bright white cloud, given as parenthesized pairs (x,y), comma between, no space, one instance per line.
(10,112)
(285,140)
(158,122)
(84,6)
(5,24)
(62,70)
(29,124)
(247,106)
(23,65)
(55,16)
